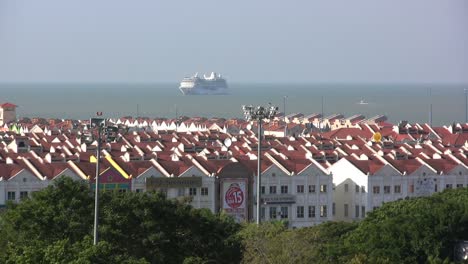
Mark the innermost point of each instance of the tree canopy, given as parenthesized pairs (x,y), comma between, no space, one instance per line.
(417,230)
(57,223)
(55,226)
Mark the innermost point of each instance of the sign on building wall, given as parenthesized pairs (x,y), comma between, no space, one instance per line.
(176,182)
(425,186)
(278,199)
(234,196)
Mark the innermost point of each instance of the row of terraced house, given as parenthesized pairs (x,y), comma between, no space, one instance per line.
(307,178)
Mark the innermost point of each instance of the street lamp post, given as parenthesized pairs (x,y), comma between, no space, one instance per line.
(99,123)
(259,113)
(111,133)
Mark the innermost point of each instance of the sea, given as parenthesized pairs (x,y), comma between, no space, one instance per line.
(441,104)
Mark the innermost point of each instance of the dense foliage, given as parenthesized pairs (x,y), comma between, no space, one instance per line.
(274,243)
(413,230)
(55,226)
(419,230)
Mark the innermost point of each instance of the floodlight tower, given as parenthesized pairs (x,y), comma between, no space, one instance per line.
(110,135)
(259,113)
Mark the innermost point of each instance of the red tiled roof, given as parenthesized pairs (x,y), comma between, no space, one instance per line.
(7,105)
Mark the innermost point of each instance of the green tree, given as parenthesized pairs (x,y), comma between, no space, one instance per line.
(55,226)
(273,243)
(415,230)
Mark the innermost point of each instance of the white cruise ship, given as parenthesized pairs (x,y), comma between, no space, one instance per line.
(213,84)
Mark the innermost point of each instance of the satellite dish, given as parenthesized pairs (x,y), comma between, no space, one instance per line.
(377,137)
(227,142)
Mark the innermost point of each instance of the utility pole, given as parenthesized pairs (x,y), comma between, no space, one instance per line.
(466,105)
(285,125)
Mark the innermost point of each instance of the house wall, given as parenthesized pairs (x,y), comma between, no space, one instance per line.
(24,181)
(345,173)
(295,201)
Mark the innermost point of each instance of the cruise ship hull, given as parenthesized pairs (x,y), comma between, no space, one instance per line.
(207,85)
(203,91)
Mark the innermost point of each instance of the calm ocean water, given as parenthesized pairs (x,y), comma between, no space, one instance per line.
(82,101)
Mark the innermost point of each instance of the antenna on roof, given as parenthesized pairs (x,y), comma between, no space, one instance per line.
(466,105)
(430,106)
(321,118)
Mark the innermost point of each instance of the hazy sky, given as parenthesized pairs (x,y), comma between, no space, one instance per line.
(246,40)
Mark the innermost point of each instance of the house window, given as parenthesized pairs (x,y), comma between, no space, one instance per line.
(346,210)
(163,191)
(356,211)
(11,196)
(262,190)
(272,189)
(363,189)
(138,190)
(23,194)
(181,192)
(411,188)
(460,185)
(284,189)
(323,211)
(323,188)
(300,212)
(192,191)
(284,212)
(376,189)
(386,189)
(448,186)
(397,189)
(333,209)
(346,187)
(356,188)
(363,211)
(311,188)
(262,212)
(300,188)
(435,187)
(204,191)
(311,211)
(272,212)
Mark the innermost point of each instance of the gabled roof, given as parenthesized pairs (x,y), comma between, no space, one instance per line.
(7,105)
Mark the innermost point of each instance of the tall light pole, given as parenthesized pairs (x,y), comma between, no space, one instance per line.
(99,123)
(111,133)
(259,113)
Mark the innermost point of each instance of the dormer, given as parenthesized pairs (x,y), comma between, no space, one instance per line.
(388,144)
(174,157)
(331,157)
(401,156)
(19,145)
(325,146)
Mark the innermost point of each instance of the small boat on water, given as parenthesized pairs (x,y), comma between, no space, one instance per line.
(362,102)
